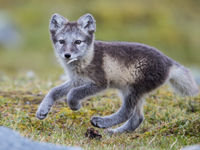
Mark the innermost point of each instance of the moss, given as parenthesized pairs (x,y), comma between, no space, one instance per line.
(167,119)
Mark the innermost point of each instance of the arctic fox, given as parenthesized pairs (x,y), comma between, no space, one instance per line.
(93,66)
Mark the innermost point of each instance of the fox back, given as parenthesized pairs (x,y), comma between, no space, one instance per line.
(111,64)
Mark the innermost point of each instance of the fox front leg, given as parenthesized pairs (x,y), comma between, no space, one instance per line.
(54,94)
(77,94)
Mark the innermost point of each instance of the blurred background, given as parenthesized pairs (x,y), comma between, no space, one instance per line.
(172,26)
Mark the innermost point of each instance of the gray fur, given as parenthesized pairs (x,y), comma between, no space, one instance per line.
(93,66)
(130,100)
(54,94)
(133,122)
(79,93)
(182,81)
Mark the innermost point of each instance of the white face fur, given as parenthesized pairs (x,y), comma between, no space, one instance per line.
(72,40)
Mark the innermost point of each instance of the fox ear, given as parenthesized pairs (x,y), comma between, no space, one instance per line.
(87,23)
(57,21)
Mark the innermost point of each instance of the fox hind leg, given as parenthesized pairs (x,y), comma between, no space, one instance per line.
(134,122)
(123,114)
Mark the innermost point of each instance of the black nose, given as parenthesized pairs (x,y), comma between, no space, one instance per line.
(67,55)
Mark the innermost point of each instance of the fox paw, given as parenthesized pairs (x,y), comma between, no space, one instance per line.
(41,114)
(99,122)
(74,106)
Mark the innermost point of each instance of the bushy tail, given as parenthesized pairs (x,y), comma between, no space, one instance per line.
(182,82)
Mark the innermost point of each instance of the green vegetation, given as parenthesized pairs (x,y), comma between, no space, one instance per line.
(171,26)
(170,122)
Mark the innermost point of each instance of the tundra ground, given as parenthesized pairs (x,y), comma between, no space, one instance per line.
(171,122)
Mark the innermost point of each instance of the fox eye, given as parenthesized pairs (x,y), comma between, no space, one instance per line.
(77,42)
(61,41)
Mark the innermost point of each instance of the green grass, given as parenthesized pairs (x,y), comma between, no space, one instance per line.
(170,122)
(171,26)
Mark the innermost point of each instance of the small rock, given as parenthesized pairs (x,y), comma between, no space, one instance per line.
(30,74)
(93,134)
(192,147)
(10,36)
(27,102)
(11,140)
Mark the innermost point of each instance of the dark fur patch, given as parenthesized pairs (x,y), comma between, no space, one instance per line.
(53,36)
(156,68)
(95,69)
(70,27)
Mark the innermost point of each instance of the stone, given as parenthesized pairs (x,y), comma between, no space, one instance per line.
(11,140)
(191,147)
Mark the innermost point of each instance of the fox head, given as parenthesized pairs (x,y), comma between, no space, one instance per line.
(72,40)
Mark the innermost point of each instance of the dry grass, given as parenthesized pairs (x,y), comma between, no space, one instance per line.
(170,122)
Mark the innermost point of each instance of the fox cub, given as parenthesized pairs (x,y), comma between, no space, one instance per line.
(93,66)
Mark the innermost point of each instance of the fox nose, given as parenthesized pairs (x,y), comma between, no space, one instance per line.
(67,55)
